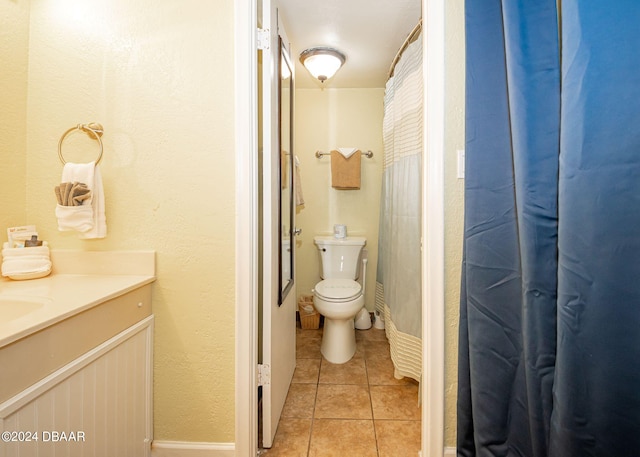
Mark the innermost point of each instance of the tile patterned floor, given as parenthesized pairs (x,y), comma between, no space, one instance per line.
(357,409)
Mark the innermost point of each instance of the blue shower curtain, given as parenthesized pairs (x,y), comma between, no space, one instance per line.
(549,345)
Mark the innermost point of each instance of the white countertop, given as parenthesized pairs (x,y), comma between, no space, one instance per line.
(65,292)
(64,295)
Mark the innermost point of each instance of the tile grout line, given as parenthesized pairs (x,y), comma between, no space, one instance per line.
(373,419)
(315,403)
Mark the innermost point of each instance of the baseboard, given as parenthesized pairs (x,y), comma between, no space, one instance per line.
(188,449)
(449,452)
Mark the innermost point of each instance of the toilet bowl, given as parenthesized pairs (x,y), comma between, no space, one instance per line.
(339,297)
(338,300)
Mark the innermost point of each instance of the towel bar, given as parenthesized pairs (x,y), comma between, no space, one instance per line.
(93,129)
(319,154)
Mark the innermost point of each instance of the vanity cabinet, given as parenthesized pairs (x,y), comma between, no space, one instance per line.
(82,386)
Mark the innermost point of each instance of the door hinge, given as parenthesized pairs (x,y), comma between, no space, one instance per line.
(264,375)
(262,37)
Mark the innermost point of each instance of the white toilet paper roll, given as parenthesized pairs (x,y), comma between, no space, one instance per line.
(340,231)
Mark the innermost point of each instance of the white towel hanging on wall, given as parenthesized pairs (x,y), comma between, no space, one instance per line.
(347,152)
(87,219)
(299,196)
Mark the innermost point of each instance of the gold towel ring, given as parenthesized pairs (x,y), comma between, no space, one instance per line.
(93,129)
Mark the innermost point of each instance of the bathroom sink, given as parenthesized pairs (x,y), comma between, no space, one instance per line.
(14,307)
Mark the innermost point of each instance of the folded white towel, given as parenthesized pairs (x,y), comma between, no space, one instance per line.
(299,196)
(78,218)
(347,152)
(26,263)
(99,229)
(88,219)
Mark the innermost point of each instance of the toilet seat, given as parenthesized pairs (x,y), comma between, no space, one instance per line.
(338,290)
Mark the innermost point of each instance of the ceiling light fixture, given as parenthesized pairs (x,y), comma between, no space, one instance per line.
(322,62)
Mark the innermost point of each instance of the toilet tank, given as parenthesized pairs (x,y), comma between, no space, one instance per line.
(340,257)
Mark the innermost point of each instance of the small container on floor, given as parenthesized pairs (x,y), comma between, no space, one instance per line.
(309,317)
(363,319)
(378,321)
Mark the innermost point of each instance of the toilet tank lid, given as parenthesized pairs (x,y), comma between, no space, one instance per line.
(349,240)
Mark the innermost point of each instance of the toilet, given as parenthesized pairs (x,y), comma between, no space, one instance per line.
(339,297)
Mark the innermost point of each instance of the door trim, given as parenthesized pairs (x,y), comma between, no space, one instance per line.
(246,148)
(246,230)
(433,304)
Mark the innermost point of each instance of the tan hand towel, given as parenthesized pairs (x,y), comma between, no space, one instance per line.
(72,194)
(345,173)
(79,193)
(58,194)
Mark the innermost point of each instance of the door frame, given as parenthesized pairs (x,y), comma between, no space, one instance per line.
(246,229)
(433,304)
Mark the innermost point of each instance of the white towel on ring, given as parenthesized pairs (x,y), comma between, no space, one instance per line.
(89,219)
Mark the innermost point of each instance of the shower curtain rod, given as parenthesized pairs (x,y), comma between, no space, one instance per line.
(410,39)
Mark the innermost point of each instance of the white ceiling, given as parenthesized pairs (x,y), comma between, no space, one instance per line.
(368,32)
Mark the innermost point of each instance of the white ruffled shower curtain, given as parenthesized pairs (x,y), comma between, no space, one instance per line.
(399,275)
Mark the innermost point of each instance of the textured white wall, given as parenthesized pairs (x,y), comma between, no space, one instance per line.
(14,43)
(325,120)
(158,76)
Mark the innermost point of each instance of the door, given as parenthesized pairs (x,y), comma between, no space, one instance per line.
(278,288)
